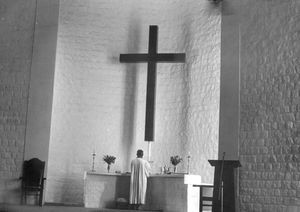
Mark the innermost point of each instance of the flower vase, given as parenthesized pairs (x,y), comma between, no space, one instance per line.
(108,167)
(175,169)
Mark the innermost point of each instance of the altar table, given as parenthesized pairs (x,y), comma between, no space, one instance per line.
(167,192)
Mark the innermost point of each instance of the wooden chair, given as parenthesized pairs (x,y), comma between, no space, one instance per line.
(33,179)
(206,197)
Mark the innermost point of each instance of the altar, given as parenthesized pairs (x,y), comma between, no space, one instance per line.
(167,192)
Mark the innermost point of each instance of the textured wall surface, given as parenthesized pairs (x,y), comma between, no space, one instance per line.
(16,29)
(270,106)
(99,104)
(41,81)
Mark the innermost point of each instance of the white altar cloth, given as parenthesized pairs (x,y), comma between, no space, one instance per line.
(168,192)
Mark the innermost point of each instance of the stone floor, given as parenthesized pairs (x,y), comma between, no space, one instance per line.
(30,208)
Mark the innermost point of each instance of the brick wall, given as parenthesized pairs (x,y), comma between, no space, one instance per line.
(99,104)
(16,29)
(270,106)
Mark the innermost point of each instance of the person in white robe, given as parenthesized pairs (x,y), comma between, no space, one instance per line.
(140,170)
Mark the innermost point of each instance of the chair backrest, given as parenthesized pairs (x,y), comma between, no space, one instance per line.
(33,172)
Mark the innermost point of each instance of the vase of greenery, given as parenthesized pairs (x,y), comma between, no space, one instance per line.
(109,159)
(175,160)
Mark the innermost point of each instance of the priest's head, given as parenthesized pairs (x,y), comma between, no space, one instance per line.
(140,153)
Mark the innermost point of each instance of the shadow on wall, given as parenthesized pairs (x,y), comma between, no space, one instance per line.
(216,5)
(197,56)
(68,187)
(12,191)
(130,91)
(185,76)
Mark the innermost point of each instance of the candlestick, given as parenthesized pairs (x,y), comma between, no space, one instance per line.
(93,165)
(188,164)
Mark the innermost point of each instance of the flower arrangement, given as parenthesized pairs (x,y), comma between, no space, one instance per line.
(109,159)
(175,160)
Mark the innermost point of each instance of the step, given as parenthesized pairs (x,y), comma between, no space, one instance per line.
(33,208)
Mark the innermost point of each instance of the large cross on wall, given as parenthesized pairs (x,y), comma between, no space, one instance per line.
(152,58)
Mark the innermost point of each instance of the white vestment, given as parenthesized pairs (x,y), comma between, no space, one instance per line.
(140,169)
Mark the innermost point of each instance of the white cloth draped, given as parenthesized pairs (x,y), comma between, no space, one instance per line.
(140,170)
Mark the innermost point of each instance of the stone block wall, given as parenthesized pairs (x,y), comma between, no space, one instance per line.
(270,106)
(99,104)
(95,96)
(16,28)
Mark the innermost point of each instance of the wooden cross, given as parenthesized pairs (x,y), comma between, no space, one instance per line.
(151,58)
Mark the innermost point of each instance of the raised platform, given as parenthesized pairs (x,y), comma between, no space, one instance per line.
(29,208)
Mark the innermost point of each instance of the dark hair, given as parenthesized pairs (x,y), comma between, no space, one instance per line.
(140,153)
